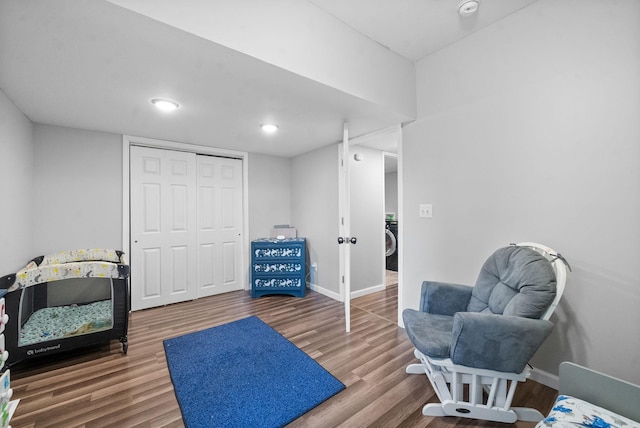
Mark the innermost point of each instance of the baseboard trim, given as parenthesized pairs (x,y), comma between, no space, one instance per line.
(325,292)
(374,289)
(354,294)
(545,378)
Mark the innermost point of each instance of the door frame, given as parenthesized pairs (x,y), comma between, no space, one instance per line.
(129,140)
(396,131)
(401,222)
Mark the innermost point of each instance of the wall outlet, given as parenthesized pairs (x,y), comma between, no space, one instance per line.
(425,210)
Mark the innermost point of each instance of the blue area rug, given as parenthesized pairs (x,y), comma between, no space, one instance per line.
(244,374)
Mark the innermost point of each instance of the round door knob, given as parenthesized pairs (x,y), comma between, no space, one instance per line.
(353,240)
(340,240)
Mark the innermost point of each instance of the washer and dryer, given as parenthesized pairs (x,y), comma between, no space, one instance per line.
(391,244)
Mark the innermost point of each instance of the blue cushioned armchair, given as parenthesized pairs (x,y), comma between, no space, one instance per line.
(484,336)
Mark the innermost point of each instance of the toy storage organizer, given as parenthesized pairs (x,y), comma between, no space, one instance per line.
(278,266)
(7,406)
(66,301)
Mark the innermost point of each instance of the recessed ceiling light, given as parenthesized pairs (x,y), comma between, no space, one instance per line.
(165,105)
(468,7)
(269,128)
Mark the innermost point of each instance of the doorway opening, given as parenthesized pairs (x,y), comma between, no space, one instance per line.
(391,217)
(392,241)
(381,149)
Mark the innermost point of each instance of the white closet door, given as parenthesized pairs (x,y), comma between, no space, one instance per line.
(163,227)
(219,225)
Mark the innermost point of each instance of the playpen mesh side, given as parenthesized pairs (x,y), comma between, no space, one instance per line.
(43,318)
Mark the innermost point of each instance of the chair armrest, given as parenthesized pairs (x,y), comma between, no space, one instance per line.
(441,298)
(496,342)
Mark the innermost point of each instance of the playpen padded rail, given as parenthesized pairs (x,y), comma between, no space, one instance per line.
(96,263)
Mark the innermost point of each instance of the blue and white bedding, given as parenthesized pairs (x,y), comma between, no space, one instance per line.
(571,412)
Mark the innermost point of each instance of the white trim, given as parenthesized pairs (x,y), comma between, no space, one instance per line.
(325,292)
(400,237)
(338,297)
(245,225)
(129,140)
(368,290)
(545,378)
(126,199)
(184,147)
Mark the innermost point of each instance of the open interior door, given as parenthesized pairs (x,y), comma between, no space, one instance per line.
(345,240)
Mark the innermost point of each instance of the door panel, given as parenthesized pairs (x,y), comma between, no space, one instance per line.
(180,269)
(151,207)
(228,214)
(150,272)
(207,277)
(219,225)
(229,261)
(345,226)
(179,203)
(163,227)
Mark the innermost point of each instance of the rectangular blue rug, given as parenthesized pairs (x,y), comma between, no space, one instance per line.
(244,374)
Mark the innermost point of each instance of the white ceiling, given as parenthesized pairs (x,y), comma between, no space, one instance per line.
(90,64)
(416,28)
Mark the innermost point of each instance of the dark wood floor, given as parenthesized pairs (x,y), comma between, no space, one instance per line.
(102,387)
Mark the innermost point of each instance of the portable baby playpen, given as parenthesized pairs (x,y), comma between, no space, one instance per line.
(65,301)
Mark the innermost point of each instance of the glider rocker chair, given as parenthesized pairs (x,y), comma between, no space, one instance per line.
(474,343)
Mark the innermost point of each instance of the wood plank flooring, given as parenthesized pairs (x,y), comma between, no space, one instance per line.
(101,387)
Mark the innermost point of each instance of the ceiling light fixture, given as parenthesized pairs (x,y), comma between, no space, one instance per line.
(164,104)
(269,128)
(468,7)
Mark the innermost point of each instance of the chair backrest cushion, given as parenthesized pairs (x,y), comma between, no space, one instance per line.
(515,281)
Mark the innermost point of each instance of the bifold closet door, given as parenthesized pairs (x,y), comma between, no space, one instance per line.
(186,226)
(163,227)
(219,197)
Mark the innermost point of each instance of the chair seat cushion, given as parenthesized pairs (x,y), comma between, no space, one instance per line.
(431,334)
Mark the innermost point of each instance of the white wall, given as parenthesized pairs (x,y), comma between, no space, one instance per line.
(16,188)
(367,221)
(269,194)
(391,193)
(314,211)
(529,130)
(77,189)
